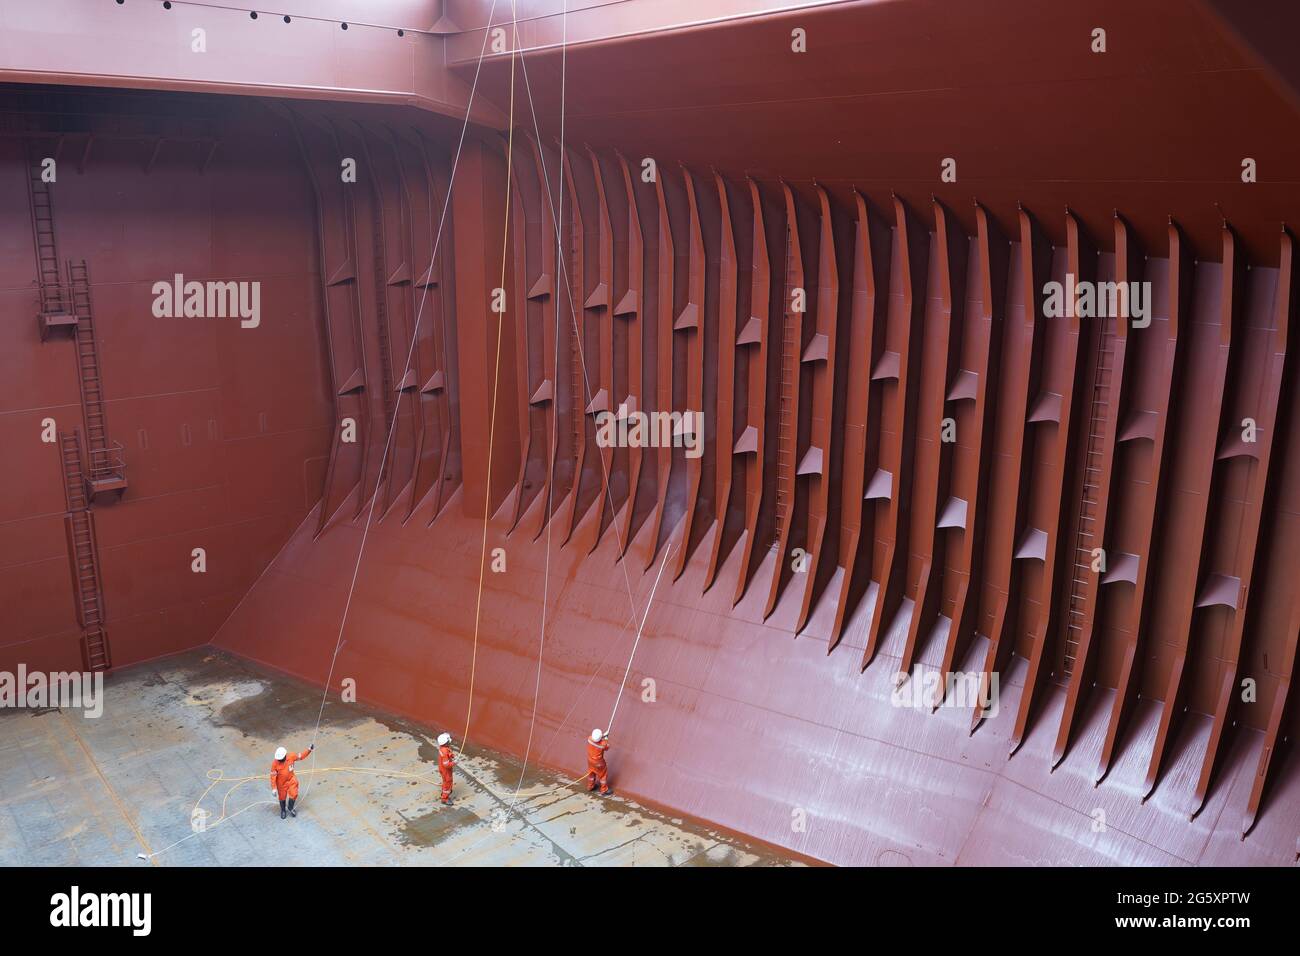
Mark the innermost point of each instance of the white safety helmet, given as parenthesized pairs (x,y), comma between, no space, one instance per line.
(281,753)
(444,739)
(596,735)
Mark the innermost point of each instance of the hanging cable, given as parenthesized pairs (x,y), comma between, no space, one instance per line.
(419,316)
(496,377)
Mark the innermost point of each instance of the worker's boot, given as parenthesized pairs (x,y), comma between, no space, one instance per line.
(291,810)
(282,813)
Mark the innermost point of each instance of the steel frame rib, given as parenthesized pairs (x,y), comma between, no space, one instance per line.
(436,275)
(1262,390)
(347,275)
(322,251)
(819,355)
(1021,348)
(789,386)
(663,364)
(543,291)
(394,308)
(728,278)
(599,301)
(909,269)
(521,230)
(690,322)
(981,339)
(1284,309)
(1067,388)
(338,284)
(755,337)
(1126,270)
(1184,579)
(575,291)
(933,455)
(1163,364)
(1271,731)
(404,281)
(629,308)
(865,318)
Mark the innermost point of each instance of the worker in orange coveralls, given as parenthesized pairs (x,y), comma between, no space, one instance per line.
(284,784)
(445,762)
(597,771)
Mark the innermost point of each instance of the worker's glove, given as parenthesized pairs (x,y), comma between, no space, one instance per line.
(311,748)
(275,793)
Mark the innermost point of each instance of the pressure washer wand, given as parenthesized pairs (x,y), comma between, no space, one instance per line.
(640,628)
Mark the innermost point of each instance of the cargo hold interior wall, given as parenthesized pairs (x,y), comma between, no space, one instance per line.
(939,556)
(190,433)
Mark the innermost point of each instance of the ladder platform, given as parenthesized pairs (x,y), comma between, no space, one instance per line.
(107,484)
(51,322)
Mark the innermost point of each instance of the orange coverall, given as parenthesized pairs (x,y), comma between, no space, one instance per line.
(596,768)
(282,776)
(445,762)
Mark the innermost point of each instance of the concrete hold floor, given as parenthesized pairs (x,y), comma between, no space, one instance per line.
(100,791)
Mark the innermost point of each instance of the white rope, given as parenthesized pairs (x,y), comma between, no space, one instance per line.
(419,316)
(650,601)
(555,364)
(558,218)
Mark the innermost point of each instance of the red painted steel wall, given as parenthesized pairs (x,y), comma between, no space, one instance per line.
(970,559)
(735,698)
(225,429)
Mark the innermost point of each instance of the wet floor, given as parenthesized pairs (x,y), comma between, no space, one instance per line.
(177,769)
